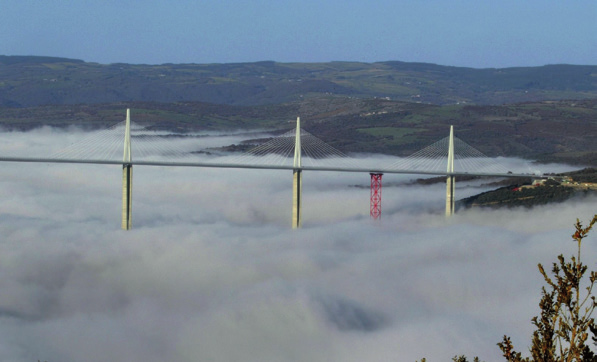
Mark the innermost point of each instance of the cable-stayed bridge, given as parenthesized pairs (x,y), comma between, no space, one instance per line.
(295,150)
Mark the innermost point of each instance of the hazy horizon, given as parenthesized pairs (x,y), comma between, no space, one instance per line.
(294,62)
(457,33)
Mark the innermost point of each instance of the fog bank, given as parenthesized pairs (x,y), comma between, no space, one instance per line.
(212,270)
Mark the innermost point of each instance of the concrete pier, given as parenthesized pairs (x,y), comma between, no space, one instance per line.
(297,179)
(296,198)
(450,185)
(127,197)
(127,177)
(450,181)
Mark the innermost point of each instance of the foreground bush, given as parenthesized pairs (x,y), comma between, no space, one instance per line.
(567,305)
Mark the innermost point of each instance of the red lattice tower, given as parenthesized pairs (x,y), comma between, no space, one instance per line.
(375,208)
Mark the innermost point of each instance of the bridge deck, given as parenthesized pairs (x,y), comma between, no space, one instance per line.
(267,167)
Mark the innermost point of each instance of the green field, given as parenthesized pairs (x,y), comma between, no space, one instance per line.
(392,135)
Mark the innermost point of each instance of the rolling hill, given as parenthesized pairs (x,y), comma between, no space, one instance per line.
(547,113)
(560,131)
(30,81)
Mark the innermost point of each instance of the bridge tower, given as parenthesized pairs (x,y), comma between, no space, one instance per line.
(297,178)
(375,205)
(127,177)
(450,181)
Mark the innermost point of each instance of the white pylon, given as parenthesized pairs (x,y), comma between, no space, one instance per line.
(297,178)
(127,137)
(127,177)
(297,144)
(450,181)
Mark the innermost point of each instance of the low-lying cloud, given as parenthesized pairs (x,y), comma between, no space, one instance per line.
(212,271)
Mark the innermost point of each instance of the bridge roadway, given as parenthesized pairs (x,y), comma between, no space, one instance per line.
(268,167)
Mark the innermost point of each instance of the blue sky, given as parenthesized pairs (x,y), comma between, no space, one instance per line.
(473,33)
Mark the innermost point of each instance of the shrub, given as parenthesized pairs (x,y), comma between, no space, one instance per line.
(563,326)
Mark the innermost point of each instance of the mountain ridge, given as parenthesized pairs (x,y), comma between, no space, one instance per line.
(31,81)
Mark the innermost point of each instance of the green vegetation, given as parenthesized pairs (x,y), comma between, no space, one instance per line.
(584,175)
(389,131)
(512,197)
(523,194)
(392,135)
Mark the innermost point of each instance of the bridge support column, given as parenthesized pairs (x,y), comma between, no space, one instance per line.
(297,179)
(375,203)
(450,185)
(127,197)
(127,177)
(450,181)
(296,198)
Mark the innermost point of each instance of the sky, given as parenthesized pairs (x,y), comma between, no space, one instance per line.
(469,33)
(212,271)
